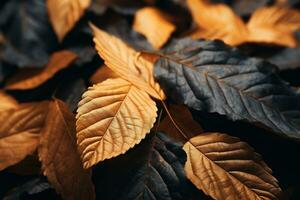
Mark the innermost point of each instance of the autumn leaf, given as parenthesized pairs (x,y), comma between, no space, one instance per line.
(65,13)
(59,156)
(210,76)
(154,25)
(27,79)
(226,168)
(181,117)
(102,74)
(275,25)
(126,62)
(112,117)
(6,102)
(19,131)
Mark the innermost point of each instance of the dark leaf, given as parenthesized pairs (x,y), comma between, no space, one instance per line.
(152,170)
(212,77)
(29,37)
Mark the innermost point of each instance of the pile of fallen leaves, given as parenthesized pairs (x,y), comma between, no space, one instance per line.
(149,99)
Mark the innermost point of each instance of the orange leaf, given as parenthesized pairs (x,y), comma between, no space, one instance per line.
(65,13)
(154,25)
(58,153)
(102,74)
(36,77)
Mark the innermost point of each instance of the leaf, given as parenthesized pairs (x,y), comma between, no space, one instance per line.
(102,74)
(126,62)
(226,168)
(19,132)
(112,117)
(151,170)
(65,13)
(212,77)
(29,38)
(154,25)
(184,119)
(275,25)
(25,81)
(58,153)
(6,102)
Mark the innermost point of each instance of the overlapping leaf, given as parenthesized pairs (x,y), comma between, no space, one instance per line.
(112,117)
(226,168)
(266,25)
(126,62)
(212,77)
(19,131)
(154,25)
(59,156)
(65,13)
(25,81)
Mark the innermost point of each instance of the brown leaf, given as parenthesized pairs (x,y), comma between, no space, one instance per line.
(6,102)
(126,62)
(112,117)
(28,79)
(184,119)
(154,25)
(65,13)
(19,131)
(102,74)
(59,156)
(274,25)
(226,168)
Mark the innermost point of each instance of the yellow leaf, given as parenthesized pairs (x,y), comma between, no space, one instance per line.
(102,74)
(59,156)
(19,132)
(126,62)
(112,117)
(154,25)
(36,77)
(65,13)
(274,25)
(226,168)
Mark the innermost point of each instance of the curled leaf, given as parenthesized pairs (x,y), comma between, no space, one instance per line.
(226,168)
(112,117)
(154,25)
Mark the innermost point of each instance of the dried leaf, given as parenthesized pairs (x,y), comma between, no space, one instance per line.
(19,132)
(154,25)
(112,117)
(102,74)
(25,81)
(65,13)
(275,25)
(58,153)
(6,102)
(226,168)
(126,62)
(184,119)
(212,77)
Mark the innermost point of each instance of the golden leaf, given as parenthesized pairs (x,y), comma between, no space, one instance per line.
(59,156)
(102,74)
(126,62)
(65,13)
(19,132)
(226,168)
(36,77)
(154,25)
(275,25)
(6,102)
(112,117)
